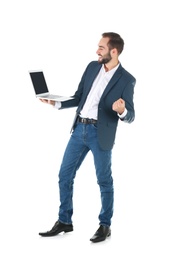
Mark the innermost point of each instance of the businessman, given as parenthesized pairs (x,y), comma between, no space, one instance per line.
(103,97)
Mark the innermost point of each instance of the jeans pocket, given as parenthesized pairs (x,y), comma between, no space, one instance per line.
(94,126)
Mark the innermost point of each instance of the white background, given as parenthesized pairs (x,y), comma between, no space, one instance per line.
(61,37)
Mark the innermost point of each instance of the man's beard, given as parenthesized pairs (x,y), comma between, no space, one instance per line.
(105,59)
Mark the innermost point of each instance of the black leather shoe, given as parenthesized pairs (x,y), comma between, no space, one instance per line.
(57,228)
(101,234)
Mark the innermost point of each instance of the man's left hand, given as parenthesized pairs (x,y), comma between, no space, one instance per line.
(119,106)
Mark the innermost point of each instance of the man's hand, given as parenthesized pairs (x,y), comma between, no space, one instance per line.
(47,101)
(119,106)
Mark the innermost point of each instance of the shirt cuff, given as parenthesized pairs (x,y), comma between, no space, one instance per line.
(123,114)
(57,105)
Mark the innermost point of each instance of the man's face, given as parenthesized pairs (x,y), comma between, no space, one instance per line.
(103,51)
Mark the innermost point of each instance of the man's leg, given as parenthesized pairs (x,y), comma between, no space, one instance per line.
(102,161)
(74,155)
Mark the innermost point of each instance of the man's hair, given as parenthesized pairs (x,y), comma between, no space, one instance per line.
(115,41)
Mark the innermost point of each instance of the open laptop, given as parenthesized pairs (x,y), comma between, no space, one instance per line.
(41,88)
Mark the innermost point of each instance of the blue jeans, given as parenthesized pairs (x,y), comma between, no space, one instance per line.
(83,140)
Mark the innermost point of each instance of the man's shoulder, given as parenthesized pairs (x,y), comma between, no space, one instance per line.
(126,73)
(94,63)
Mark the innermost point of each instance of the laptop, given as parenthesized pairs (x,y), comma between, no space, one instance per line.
(41,88)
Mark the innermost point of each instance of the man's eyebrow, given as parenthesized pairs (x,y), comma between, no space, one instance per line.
(100,46)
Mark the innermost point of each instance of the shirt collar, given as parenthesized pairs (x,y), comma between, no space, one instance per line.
(110,72)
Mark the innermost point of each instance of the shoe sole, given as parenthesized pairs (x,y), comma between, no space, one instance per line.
(55,233)
(68,230)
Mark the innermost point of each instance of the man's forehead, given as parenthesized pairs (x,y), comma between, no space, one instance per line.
(103,41)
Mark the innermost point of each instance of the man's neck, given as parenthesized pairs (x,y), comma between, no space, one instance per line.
(110,65)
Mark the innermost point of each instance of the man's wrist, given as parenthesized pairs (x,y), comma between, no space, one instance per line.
(57,105)
(123,114)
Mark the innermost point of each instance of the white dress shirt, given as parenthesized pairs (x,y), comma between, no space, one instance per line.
(90,107)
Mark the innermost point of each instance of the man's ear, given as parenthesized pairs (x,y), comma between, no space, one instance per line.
(114,51)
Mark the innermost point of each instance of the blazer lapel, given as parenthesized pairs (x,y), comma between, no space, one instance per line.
(113,81)
(92,78)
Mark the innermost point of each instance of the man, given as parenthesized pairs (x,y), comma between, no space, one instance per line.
(104,95)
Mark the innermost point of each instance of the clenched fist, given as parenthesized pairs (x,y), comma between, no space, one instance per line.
(119,106)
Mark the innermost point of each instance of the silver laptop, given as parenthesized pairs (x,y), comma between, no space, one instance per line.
(41,88)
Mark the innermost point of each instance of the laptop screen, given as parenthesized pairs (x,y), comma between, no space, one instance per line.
(39,82)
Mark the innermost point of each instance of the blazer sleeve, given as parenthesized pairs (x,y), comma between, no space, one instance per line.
(128,96)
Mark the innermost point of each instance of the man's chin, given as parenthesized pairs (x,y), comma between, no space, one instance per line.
(103,61)
(100,61)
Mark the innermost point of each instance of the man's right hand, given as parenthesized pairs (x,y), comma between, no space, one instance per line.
(47,101)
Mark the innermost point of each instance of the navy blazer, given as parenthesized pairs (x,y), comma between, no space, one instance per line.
(121,85)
